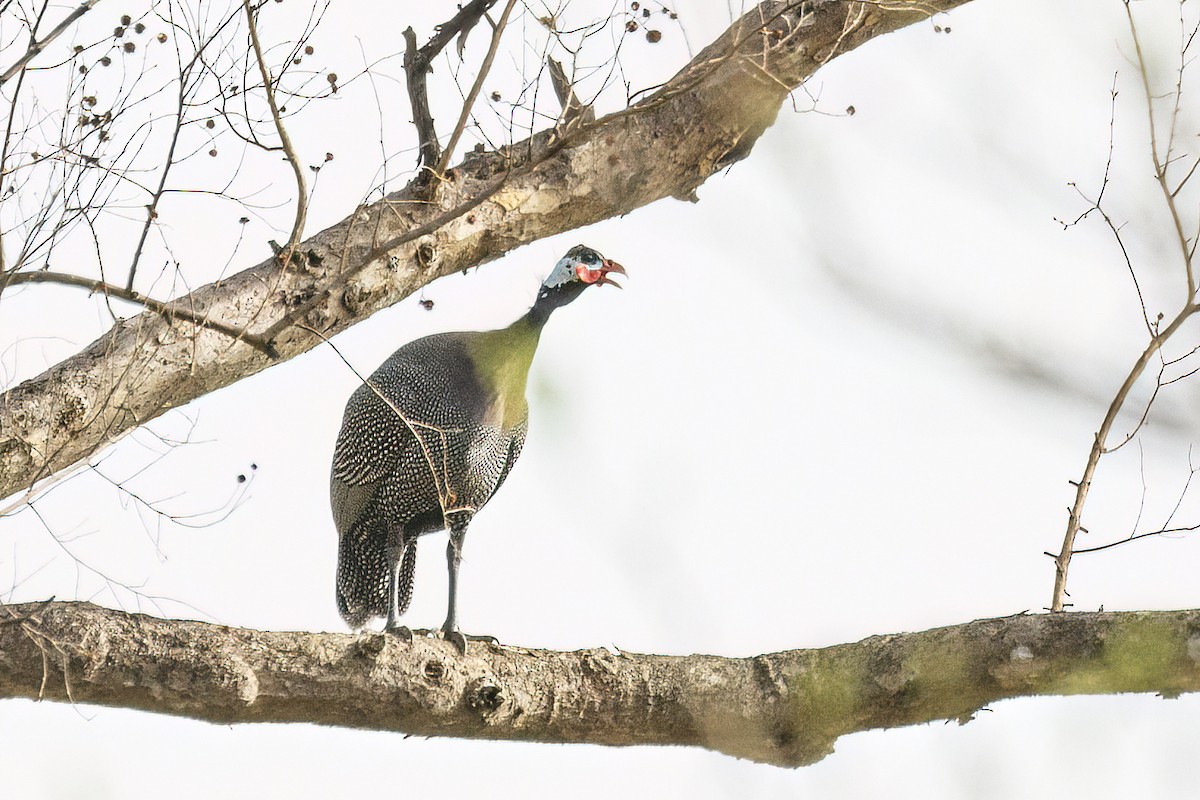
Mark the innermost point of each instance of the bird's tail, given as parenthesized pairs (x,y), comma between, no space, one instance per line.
(363,574)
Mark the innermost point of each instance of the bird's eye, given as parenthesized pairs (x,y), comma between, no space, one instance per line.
(588,258)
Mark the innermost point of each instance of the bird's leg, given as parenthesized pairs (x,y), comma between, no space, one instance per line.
(457,522)
(458,531)
(402,558)
(408,571)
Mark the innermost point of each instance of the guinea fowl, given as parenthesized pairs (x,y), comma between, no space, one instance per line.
(428,440)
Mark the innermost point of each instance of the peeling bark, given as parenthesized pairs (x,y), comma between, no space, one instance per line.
(784,708)
(706,118)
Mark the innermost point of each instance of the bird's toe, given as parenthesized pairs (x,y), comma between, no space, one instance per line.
(457,639)
(460,639)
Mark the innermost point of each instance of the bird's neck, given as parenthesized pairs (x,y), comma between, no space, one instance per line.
(550,299)
(502,359)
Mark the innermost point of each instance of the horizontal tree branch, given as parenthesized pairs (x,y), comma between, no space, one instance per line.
(784,708)
(704,119)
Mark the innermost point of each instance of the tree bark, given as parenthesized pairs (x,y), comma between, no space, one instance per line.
(706,118)
(784,708)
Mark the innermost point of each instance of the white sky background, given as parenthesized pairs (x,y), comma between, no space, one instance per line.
(840,396)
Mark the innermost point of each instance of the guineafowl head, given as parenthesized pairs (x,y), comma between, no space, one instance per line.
(580,268)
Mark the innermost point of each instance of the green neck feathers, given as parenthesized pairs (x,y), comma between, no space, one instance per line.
(502,359)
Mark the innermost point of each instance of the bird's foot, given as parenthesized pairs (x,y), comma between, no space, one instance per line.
(460,639)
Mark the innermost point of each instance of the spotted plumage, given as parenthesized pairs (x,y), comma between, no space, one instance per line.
(428,440)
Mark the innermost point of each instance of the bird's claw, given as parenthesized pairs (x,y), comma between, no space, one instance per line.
(460,639)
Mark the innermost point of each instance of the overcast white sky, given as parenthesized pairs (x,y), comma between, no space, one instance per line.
(840,396)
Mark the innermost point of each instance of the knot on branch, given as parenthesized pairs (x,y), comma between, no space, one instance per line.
(426,253)
(485,696)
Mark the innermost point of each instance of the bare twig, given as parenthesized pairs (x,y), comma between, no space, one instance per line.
(4,152)
(1160,163)
(1159,336)
(476,87)
(1063,561)
(1135,537)
(572,108)
(285,141)
(416,69)
(168,310)
(441,477)
(152,206)
(39,45)
(1097,205)
(1166,525)
(186,72)
(418,64)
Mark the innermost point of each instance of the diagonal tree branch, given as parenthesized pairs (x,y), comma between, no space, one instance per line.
(573,109)
(439,171)
(704,119)
(168,310)
(38,45)
(784,708)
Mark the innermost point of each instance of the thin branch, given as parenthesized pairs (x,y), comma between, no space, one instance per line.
(416,70)
(1166,526)
(1183,182)
(284,140)
(1135,537)
(185,73)
(469,102)
(441,477)
(38,46)
(4,152)
(152,206)
(171,311)
(418,63)
(1074,520)
(573,109)
(1160,169)
(1097,206)
(1159,336)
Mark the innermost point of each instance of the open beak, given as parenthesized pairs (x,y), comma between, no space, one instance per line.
(607,266)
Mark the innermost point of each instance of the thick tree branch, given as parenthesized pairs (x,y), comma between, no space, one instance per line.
(706,118)
(782,708)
